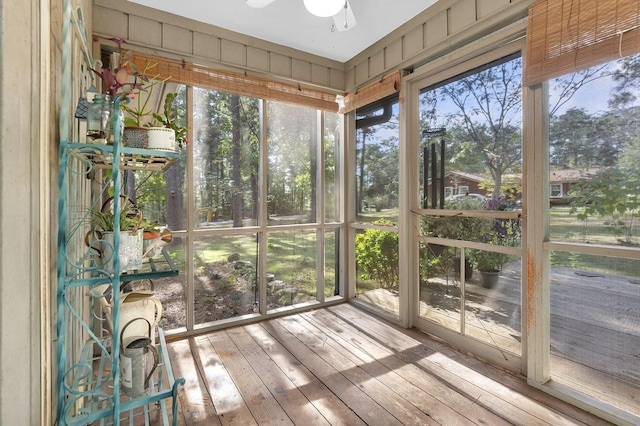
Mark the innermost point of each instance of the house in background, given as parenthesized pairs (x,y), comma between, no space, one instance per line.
(460,183)
(455,183)
(560,184)
(562,181)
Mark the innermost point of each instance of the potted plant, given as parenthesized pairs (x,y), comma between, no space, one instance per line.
(456,228)
(166,132)
(489,263)
(138,113)
(101,238)
(123,82)
(151,236)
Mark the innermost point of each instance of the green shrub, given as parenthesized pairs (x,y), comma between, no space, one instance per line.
(377,255)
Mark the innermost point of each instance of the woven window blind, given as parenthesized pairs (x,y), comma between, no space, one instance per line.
(387,85)
(230,82)
(565,36)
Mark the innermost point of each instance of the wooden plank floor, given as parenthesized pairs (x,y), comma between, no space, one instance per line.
(595,337)
(343,366)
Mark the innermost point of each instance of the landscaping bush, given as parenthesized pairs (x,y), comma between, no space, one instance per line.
(377,255)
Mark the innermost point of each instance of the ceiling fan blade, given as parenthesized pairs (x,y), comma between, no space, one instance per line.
(345,19)
(259,3)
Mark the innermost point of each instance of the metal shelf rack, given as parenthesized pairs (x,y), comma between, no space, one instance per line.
(88,379)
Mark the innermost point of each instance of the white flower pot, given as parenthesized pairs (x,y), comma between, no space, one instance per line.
(161,138)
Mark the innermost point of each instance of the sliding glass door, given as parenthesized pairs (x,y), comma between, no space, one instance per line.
(469,204)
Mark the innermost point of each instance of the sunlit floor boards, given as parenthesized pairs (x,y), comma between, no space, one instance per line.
(341,365)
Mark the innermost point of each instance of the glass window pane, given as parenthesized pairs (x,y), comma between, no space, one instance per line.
(377,150)
(595,326)
(493,299)
(225,277)
(594,154)
(471,161)
(292,150)
(377,273)
(492,295)
(225,159)
(440,296)
(291,268)
(595,187)
(331,263)
(472,139)
(160,196)
(331,161)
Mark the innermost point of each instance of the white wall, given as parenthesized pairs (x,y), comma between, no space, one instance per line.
(22,212)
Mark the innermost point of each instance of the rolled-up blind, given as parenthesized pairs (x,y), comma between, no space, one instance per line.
(231,82)
(387,85)
(565,36)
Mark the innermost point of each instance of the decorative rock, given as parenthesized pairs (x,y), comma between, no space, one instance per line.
(277,285)
(243,264)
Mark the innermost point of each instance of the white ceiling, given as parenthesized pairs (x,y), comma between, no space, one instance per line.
(288,23)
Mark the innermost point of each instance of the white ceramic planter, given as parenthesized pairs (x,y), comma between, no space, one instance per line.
(161,138)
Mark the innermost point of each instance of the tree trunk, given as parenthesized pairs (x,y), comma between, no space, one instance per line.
(174,196)
(236,163)
(313,169)
(131,185)
(361,178)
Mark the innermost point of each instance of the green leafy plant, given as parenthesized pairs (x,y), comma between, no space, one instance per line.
(612,195)
(458,227)
(138,110)
(502,233)
(130,220)
(148,226)
(489,230)
(169,119)
(377,255)
(489,261)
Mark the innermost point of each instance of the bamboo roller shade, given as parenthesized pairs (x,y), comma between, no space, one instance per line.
(237,83)
(377,90)
(565,36)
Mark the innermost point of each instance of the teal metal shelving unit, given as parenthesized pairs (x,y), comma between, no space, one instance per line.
(88,377)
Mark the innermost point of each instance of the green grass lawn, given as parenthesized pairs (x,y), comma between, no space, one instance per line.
(566,227)
(291,255)
(371,216)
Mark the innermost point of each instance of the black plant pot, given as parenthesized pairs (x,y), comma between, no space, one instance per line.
(468,268)
(489,279)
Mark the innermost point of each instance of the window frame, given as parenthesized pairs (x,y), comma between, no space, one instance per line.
(559,191)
